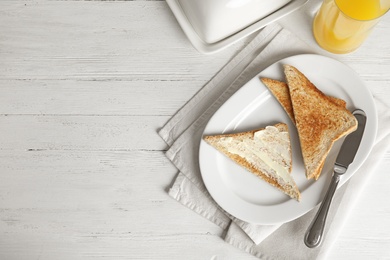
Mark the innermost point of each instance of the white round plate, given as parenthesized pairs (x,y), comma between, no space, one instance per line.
(246,196)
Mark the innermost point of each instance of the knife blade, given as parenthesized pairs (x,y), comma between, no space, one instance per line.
(348,150)
(351,143)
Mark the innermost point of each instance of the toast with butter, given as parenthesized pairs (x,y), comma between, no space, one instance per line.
(319,120)
(265,152)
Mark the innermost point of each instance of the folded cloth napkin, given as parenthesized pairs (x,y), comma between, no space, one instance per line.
(184,131)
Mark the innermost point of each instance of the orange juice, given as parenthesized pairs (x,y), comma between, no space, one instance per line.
(341,26)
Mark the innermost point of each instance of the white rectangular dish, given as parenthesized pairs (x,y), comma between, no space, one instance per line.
(246,196)
(212,25)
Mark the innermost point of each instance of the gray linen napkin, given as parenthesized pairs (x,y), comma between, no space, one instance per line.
(183,133)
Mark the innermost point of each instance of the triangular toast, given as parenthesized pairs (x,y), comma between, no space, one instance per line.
(281,92)
(265,152)
(319,120)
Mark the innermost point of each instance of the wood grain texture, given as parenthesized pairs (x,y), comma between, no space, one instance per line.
(99,41)
(50,132)
(84,87)
(73,97)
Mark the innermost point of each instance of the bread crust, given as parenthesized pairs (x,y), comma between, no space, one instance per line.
(292,191)
(281,92)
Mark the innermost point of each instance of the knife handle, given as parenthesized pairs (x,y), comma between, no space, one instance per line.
(313,236)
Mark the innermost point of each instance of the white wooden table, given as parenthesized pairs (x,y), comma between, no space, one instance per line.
(84,87)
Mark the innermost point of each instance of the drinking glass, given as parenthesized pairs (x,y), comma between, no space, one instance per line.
(341,26)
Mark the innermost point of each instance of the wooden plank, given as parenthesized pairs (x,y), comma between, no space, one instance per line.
(99,41)
(81,132)
(149,98)
(84,181)
(72,97)
(191,246)
(67,204)
(93,191)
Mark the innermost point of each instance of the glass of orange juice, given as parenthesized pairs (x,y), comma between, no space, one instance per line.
(341,26)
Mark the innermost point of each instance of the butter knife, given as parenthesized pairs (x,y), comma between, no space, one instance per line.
(350,146)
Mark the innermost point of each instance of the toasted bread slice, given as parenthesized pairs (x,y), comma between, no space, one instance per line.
(281,92)
(319,121)
(265,152)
